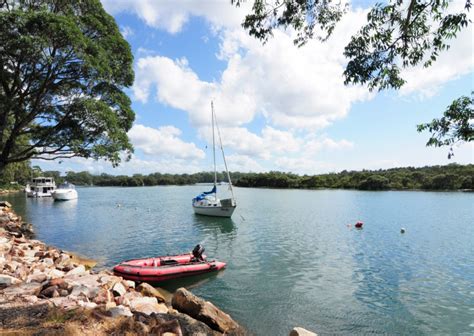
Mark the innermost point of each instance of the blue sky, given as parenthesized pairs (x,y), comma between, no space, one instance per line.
(279,107)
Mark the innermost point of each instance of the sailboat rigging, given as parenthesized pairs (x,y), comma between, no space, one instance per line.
(207,203)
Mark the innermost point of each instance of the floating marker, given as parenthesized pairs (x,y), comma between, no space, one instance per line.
(358,225)
(402,230)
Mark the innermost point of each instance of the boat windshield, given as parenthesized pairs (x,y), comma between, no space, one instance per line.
(66,185)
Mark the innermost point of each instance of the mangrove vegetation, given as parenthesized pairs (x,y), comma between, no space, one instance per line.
(448,177)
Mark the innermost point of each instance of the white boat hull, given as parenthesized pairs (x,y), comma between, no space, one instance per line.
(64,194)
(215,211)
(38,194)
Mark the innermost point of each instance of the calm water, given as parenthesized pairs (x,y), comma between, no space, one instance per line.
(292,260)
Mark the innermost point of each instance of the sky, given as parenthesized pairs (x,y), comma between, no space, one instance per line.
(279,107)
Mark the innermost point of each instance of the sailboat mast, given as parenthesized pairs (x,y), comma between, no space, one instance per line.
(225,162)
(214,145)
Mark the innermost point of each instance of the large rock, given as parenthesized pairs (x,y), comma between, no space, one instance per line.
(149,290)
(64,302)
(120,311)
(88,305)
(32,288)
(59,282)
(36,277)
(204,311)
(5,247)
(89,280)
(103,296)
(79,270)
(298,331)
(50,292)
(119,289)
(129,284)
(147,305)
(190,326)
(82,290)
(8,280)
(48,262)
(5,204)
(12,266)
(55,273)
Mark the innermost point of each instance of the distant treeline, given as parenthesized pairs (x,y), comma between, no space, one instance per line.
(85,178)
(449,177)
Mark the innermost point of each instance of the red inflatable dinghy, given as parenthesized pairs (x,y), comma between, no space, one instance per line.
(168,267)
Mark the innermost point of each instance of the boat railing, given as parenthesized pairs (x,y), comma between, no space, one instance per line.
(228,202)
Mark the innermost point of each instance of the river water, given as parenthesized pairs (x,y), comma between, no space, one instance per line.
(292,260)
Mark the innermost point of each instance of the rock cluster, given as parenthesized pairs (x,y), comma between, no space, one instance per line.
(32,273)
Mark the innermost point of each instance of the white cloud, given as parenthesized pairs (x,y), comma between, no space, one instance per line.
(173,15)
(271,141)
(297,91)
(325,143)
(179,87)
(303,165)
(244,164)
(135,166)
(292,87)
(163,141)
(451,64)
(126,31)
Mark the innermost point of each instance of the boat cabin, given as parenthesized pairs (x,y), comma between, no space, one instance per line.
(40,186)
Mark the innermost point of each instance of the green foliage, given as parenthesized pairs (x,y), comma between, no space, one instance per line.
(456,125)
(450,177)
(64,65)
(397,33)
(18,172)
(303,16)
(374,182)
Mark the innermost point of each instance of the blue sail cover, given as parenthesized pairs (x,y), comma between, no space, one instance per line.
(204,193)
(213,191)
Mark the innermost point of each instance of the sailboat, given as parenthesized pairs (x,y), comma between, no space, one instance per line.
(207,203)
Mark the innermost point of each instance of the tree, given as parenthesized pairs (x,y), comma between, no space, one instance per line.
(374,182)
(19,172)
(64,65)
(397,34)
(456,125)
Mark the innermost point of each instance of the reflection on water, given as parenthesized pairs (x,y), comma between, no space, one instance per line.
(225,226)
(190,282)
(71,204)
(291,258)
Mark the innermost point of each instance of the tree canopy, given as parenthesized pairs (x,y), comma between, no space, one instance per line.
(456,125)
(397,34)
(64,65)
(449,177)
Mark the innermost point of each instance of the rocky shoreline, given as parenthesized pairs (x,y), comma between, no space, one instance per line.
(8,191)
(45,291)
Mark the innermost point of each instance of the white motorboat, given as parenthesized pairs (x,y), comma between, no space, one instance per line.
(65,192)
(207,203)
(40,187)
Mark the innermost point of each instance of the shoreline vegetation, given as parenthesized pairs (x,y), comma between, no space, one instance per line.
(431,178)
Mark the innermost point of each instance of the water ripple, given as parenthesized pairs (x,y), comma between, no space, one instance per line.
(292,259)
